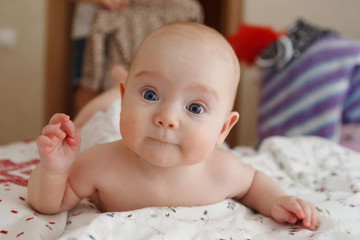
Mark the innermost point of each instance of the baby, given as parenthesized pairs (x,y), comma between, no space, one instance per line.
(176,110)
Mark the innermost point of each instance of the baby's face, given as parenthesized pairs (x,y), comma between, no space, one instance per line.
(177,98)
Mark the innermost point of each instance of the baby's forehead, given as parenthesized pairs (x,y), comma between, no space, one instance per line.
(193,39)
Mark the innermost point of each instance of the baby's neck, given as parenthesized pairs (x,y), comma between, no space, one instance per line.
(170,174)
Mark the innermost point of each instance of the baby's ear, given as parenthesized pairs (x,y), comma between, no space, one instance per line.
(122,89)
(228,125)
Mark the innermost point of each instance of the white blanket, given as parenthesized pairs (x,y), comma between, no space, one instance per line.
(312,168)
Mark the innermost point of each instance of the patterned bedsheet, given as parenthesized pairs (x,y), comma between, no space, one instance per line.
(312,168)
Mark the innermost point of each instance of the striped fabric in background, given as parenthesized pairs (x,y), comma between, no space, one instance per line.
(313,94)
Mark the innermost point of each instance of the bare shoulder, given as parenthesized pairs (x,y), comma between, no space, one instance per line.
(101,153)
(234,174)
(229,162)
(96,164)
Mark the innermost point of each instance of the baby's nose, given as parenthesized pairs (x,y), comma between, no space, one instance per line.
(166,119)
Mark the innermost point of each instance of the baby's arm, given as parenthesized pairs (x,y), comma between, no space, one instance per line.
(269,199)
(49,191)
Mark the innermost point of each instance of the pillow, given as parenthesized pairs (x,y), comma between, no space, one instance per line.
(102,127)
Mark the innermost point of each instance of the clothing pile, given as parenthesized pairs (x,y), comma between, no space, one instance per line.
(115,36)
(311,84)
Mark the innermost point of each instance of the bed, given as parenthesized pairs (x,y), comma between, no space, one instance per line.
(312,168)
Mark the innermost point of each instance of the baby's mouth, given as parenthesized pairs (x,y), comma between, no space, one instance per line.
(164,143)
(159,140)
(162,140)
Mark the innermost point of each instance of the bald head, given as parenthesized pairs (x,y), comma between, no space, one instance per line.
(195,33)
(187,38)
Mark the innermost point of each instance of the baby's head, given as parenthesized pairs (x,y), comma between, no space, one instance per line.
(203,47)
(180,92)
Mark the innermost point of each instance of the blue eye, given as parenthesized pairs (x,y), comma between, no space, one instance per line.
(195,108)
(150,95)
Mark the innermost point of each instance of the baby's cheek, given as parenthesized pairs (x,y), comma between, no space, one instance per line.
(128,130)
(200,147)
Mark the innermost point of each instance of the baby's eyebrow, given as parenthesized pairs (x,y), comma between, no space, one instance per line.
(142,73)
(147,73)
(204,89)
(195,87)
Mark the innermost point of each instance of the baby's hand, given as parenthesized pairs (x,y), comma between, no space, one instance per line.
(290,209)
(59,144)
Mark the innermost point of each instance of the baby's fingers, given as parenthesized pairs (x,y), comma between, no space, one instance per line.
(306,207)
(45,145)
(51,131)
(69,128)
(43,142)
(282,215)
(312,217)
(58,118)
(316,217)
(293,205)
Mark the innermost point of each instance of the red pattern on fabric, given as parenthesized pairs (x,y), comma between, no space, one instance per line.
(48,227)
(8,169)
(27,172)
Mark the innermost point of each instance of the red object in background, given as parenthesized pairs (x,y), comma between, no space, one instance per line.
(250,40)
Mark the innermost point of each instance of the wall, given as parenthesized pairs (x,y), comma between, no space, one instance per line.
(22,70)
(342,16)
